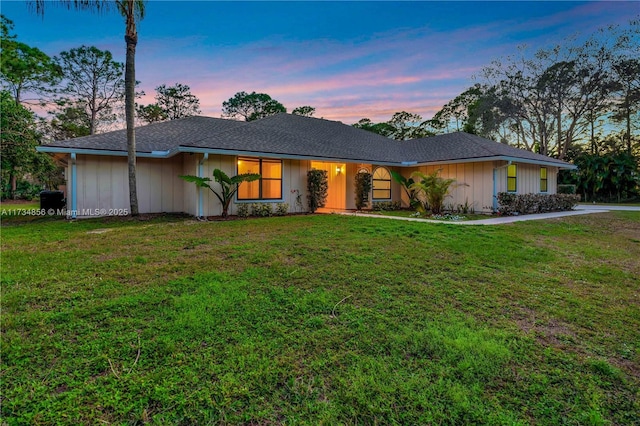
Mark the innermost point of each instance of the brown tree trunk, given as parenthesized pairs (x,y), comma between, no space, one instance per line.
(628,127)
(131,37)
(13,180)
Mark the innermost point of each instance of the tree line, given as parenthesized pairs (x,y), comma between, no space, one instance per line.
(574,101)
(83,91)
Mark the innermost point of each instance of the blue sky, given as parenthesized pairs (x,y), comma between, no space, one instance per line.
(348,59)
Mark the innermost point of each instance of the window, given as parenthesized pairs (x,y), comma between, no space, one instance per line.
(381,184)
(512,178)
(268,187)
(543,179)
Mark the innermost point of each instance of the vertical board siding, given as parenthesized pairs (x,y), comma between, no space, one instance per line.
(227,164)
(188,189)
(552,180)
(396,188)
(294,176)
(103,183)
(473,186)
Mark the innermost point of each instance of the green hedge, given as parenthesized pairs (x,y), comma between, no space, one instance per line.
(566,189)
(513,204)
(386,205)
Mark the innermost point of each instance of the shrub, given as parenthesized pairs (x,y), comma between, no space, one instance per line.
(466,208)
(261,209)
(510,204)
(432,190)
(243,210)
(228,185)
(386,205)
(298,203)
(317,187)
(24,191)
(566,189)
(363,184)
(281,209)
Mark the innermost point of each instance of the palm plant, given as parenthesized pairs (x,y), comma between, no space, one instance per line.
(431,190)
(228,185)
(132,11)
(406,185)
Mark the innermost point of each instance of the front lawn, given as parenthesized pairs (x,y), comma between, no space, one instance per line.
(11,206)
(321,319)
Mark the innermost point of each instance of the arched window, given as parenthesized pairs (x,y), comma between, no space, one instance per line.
(381,184)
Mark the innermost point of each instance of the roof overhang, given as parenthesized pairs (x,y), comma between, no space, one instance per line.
(106,152)
(499,158)
(189,149)
(284,156)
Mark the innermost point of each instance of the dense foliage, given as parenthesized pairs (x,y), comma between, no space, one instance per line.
(510,203)
(18,140)
(92,81)
(317,189)
(172,103)
(431,191)
(363,184)
(607,177)
(251,106)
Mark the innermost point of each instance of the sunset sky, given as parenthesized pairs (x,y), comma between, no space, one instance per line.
(348,59)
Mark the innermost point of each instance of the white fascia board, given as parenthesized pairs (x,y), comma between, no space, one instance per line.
(110,153)
(281,156)
(540,162)
(171,153)
(498,158)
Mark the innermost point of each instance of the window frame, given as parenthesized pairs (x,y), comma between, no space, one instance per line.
(261,199)
(373,184)
(545,180)
(513,178)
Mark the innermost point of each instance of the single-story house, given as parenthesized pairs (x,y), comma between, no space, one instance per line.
(282,148)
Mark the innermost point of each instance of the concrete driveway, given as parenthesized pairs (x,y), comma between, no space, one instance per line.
(579,210)
(603,207)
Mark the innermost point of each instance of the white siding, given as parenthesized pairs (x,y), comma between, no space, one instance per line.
(473,186)
(190,190)
(294,176)
(528,178)
(103,184)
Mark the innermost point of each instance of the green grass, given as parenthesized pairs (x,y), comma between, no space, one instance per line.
(322,319)
(6,206)
(615,204)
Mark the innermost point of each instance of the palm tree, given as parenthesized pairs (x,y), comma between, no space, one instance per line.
(132,11)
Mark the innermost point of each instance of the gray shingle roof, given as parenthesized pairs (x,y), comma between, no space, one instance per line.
(461,146)
(154,137)
(308,137)
(292,135)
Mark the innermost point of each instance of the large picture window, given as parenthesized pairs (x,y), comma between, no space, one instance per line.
(268,187)
(543,179)
(512,178)
(381,184)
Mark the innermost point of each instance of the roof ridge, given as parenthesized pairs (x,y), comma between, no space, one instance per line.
(476,141)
